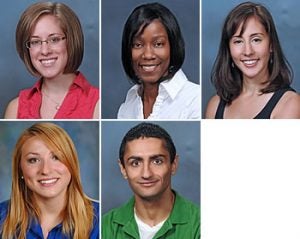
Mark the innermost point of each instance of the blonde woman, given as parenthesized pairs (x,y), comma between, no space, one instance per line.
(47,199)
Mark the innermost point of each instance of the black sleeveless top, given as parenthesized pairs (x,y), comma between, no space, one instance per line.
(265,113)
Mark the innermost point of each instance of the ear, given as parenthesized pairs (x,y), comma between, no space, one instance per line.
(122,169)
(174,165)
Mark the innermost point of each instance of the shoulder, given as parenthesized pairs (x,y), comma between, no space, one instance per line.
(288,106)
(122,213)
(12,109)
(212,106)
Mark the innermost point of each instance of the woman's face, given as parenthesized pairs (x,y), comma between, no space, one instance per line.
(251,51)
(49,59)
(43,172)
(151,53)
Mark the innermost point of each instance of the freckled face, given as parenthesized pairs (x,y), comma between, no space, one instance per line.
(148,168)
(251,51)
(44,174)
(151,53)
(49,60)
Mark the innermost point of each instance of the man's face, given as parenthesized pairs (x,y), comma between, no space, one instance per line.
(148,168)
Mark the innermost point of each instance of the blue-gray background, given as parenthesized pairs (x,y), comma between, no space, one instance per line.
(85,136)
(114,15)
(13,73)
(115,190)
(286,17)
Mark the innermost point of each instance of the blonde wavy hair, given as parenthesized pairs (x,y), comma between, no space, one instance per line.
(78,213)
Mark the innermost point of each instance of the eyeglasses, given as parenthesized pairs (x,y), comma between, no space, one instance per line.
(52,41)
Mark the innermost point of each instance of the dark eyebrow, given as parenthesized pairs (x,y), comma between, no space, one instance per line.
(252,35)
(158,156)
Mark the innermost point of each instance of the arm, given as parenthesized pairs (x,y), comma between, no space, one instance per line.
(212,107)
(96,111)
(12,109)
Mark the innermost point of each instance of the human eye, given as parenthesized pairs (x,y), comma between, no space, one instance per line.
(256,40)
(137,45)
(54,157)
(159,44)
(157,161)
(135,163)
(54,39)
(33,160)
(35,42)
(237,41)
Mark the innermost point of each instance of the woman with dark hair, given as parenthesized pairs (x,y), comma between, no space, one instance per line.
(251,75)
(152,55)
(49,40)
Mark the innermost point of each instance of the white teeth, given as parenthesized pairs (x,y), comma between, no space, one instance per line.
(148,68)
(48,181)
(250,62)
(48,62)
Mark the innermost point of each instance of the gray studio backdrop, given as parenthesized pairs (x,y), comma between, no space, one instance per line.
(286,17)
(186,136)
(13,73)
(114,14)
(85,136)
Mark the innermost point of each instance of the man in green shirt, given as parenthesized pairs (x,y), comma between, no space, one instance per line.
(148,159)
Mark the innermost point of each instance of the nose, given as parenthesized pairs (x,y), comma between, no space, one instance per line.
(148,52)
(147,171)
(248,49)
(45,48)
(45,167)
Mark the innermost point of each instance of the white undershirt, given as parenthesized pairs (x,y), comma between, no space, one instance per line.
(146,231)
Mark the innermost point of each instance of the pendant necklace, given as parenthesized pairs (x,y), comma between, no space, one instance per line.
(57,104)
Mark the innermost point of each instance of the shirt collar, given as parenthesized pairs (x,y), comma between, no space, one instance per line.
(80,81)
(171,86)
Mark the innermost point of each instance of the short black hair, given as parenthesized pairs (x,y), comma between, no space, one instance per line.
(138,20)
(148,130)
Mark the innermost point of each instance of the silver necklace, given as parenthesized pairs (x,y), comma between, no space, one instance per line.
(57,104)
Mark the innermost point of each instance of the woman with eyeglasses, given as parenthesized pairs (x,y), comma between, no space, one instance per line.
(50,41)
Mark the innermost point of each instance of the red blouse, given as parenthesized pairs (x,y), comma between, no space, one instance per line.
(79,102)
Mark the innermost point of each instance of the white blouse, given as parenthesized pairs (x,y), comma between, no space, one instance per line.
(177,98)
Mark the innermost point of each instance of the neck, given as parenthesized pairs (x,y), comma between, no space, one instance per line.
(254,85)
(150,92)
(58,85)
(153,211)
(51,214)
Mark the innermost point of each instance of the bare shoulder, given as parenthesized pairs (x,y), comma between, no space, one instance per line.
(288,107)
(12,109)
(212,107)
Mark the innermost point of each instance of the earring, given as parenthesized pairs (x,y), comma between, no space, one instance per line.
(22,177)
(232,64)
(171,68)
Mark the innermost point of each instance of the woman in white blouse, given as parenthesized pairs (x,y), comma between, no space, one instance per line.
(152,56)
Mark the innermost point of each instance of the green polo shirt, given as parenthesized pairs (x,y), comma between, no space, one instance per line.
(183,222)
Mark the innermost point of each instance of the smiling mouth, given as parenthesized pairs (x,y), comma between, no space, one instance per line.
(148,184)
(149,68)
(250,63)
(48,182)
(48,62)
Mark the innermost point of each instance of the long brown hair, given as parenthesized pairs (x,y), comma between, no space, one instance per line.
(228,80)
(23,208)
